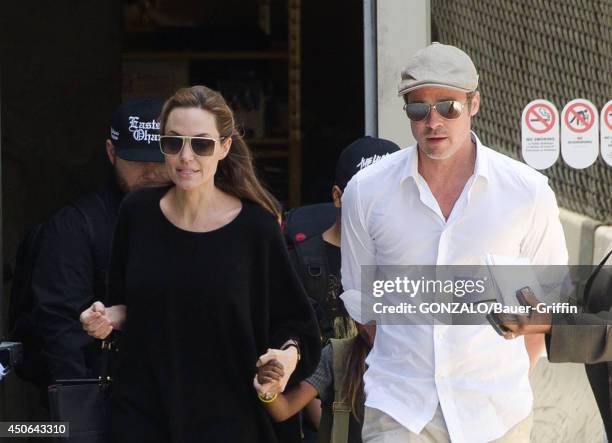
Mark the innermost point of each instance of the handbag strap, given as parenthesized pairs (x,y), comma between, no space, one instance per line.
(589,283)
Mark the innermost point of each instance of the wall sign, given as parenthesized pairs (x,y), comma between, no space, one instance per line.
(579,133)
(540,134)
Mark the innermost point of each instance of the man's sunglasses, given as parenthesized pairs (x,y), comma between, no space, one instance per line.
(173,144)
(449,109)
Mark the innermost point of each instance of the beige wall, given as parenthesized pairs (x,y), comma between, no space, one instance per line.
(403,27)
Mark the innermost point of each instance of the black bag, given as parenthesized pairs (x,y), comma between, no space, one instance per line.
(303,228)
(85,404)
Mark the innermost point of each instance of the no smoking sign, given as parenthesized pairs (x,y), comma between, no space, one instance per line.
(540,118)
(540,134)
(579,133)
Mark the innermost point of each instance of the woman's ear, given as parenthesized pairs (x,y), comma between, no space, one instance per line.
(225,147)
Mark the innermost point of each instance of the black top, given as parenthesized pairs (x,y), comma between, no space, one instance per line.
(343,327)
(69,275)
(334,260)
(201,308)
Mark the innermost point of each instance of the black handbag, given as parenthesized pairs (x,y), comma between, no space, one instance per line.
(84,404)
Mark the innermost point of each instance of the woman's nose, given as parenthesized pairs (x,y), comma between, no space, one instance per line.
(187,152)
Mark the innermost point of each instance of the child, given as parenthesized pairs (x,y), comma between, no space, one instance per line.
(337,381)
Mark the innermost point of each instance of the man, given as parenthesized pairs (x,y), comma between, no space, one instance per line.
(317,258)
(70,269)
(449,200)
(580,338)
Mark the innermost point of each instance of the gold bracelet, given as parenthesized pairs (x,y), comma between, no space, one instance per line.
(264,398)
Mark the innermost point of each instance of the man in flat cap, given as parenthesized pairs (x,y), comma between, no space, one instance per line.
(448,200)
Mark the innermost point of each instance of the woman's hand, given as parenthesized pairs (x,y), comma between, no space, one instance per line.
(287,359)
(99,321)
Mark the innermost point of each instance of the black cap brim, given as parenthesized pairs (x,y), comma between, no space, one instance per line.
(141,155)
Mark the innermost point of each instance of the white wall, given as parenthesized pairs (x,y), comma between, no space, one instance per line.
(403,27)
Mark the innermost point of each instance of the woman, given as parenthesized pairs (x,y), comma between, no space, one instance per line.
(204,286)
(337,381)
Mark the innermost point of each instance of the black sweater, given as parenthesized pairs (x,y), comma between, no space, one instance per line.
(201,308)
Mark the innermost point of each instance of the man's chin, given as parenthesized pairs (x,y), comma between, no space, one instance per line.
(148,184)
(439,153)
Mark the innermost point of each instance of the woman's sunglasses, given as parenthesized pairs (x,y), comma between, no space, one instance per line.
(173,144)
(449,109)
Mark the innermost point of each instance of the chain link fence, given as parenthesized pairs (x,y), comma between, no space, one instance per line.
(527,49)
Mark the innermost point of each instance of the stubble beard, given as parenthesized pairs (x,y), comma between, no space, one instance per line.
(120,181)
(440,157)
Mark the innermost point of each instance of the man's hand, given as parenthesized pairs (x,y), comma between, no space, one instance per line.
(534,323)
(99,321)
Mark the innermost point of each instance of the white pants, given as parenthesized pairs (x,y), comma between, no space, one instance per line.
(379,427)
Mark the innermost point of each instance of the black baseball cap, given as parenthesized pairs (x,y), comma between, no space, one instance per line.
(361,153)
(135,130)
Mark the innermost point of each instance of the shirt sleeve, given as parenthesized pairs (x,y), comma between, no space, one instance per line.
(322,378)
(357,250)
(582,338)
(62,287)
(545,242)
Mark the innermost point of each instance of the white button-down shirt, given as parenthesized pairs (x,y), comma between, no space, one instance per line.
(390,217)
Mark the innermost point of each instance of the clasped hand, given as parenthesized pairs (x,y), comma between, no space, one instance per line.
(279,365)
(99,320)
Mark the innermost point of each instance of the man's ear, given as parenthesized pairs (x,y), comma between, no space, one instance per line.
(475,104)
(110,151)
(337,196)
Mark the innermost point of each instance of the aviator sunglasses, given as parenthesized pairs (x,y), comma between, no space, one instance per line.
(448,109)
(201,146)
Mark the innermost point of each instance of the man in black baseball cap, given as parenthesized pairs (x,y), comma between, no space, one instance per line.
(361,153)
(133,147)
(317,258)
(355,157)
(74,248)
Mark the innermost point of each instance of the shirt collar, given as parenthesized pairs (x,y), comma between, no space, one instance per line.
(481,168)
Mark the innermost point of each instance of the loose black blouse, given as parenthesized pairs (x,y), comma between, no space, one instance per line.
(201,308)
